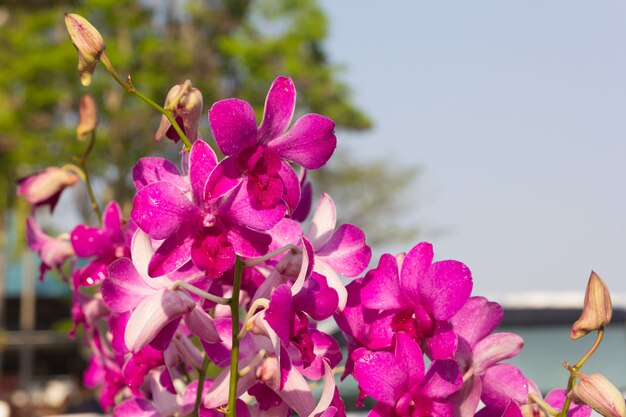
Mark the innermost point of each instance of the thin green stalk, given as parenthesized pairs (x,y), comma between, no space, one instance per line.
(234,357)
(130,88)
(82,161)
(201,378)
(573,370)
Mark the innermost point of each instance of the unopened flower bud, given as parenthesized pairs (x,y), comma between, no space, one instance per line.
(88,42)
(185,102)
(88,116)
(597,311)
(597,392)
(45,187)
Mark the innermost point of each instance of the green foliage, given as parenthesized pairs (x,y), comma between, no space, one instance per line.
(227,48)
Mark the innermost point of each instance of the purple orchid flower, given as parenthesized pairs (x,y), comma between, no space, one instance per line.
(156,308)
(262,155)
(418,297)
(209,227)
(45,187)
(52,251)
(397,380)
(267,371)
(104,244)
(478,355)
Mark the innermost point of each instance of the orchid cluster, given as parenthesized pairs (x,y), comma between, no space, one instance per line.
(207,299)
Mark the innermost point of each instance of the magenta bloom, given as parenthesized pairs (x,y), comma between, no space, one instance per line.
(52,251)
(103,245)
(197,222)
(398,382)
(262,154)
(418,297)
(479,354)
(156,308)
(45,187)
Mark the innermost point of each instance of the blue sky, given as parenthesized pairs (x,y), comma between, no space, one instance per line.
(516,111)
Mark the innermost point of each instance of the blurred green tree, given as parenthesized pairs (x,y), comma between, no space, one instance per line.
(227,48)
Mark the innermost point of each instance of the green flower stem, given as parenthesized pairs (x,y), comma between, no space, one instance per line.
(573,371)
(541,403)
(191,288)
(201,378)
(84,174)
(234,357)
(270,255)
(130,88)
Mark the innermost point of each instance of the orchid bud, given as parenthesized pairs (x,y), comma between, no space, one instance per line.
(597,392)
(185,103)
(45,187)
(597,311)
(88,117)
(88,42)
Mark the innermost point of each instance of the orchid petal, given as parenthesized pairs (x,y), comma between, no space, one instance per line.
(323,222)
(333,280)
(89,241)
(239,210)
(477,319)
(327,392)
(202,161)
(136,407)
(442,379)
(152,314)
(174,252)
(248,243)
(279,105)
(124,289)
(161,209)
(495,348)
(306,267)
(310,142)
(414,267)
(443,344)
(151,170)
(466,400)
(380,376)
(201,324)
(218,394)
(291,185)
(278,313)
(410,357)
(297,394)
(445,288)
(223,179)
(233,123)
(502,383)
(381,290)
(346,251)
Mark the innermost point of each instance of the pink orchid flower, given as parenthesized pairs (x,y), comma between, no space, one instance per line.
(103,245)
(397,380)
(194,222)
(45,187)
(52,251)
(479,354)
(417,296)
(262,154)
(156,306)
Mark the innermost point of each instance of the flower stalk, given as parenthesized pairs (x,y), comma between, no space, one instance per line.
(234,358)
(130,88)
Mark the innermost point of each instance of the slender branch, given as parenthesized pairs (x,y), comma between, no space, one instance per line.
(201,378)
(130,88)
(82,161)
(541,403)
(234,358)
(183,284)
(573,370)
(258,303)
(270,255)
